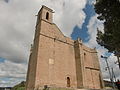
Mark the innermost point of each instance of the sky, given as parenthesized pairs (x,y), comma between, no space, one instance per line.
(75,18)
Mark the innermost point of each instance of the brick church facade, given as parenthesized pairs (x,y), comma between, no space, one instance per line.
(57,61)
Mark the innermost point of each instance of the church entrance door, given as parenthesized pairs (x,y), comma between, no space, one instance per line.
(68,81)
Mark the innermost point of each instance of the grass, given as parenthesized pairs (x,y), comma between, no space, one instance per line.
(21,88)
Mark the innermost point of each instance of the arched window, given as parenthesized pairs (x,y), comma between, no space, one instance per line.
(47,15)
(68,81)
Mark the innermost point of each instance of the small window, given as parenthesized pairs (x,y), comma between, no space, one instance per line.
(47,15)
(84,56)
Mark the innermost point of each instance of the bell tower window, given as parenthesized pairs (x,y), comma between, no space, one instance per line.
(47,15)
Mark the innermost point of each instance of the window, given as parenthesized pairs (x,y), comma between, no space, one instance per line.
(47,15)
(84,56)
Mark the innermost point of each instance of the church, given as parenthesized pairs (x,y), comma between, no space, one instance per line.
(57,61)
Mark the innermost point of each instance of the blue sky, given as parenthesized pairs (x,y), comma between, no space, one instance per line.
(83,32)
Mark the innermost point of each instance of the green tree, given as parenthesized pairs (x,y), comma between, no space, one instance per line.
(109,11)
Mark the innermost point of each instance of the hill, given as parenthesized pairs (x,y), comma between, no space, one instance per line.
(20,86)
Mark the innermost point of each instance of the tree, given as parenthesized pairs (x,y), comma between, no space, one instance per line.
(109,11)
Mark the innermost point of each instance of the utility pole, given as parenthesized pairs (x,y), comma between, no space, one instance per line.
(113,75)
(118,61)
(117,54)
(111,79)
(107,66)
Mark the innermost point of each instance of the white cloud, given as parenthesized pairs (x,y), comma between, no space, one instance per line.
(92,31)
(17,20)
(12,73)
(10,82)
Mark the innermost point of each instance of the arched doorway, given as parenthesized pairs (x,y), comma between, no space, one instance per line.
(68,81)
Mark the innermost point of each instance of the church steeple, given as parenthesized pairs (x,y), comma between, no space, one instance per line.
(45,14)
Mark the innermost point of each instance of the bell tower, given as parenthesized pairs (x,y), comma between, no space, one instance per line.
(45,14)
(34,77)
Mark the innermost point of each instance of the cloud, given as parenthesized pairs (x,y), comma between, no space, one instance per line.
(12,73)
(17,20)
(94,23)
(16,31)
(6,1)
